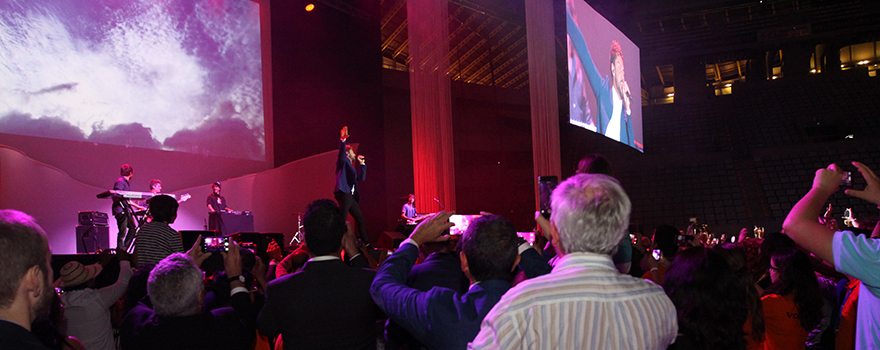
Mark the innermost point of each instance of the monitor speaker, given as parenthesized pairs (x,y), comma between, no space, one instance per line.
(91,238)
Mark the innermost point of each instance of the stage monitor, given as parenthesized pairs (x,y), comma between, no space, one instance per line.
(177,75)
(603,76)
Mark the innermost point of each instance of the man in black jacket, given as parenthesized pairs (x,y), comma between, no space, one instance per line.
(327,304)
(176,320)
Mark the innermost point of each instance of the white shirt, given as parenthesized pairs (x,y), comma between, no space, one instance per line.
(88,311)
(585,303)
(859,256)
(613,129)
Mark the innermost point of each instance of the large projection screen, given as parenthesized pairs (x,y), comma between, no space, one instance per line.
(603,76)
(177,75)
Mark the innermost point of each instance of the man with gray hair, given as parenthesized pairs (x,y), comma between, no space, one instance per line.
(25,279)
(176,320)
(584,303)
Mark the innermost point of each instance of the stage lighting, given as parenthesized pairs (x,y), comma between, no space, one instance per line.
(310,7)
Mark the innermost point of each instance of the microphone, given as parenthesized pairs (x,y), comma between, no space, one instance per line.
(441,204)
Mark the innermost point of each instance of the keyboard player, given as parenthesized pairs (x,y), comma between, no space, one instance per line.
(124,219)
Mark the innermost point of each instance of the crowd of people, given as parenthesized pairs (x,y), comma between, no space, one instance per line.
(585,283)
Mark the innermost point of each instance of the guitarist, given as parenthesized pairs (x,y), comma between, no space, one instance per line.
(156,189)
(409,212)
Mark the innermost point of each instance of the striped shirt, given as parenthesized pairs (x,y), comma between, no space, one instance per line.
(155,241)
(585,303)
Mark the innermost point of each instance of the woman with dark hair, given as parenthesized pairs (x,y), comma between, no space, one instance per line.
(793,303)
(595,164)
(735,256)
(709,301)
(760,267)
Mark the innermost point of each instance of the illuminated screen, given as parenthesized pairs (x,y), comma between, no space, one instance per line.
(177,75)
(603,76)
(461,223)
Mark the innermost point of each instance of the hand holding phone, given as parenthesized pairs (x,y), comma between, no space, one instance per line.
(546,185)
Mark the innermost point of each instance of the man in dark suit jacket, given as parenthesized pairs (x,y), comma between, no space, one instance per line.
(443,318)
(327,304)
(173,317)
(347,177)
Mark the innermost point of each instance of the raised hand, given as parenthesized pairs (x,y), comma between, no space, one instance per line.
(196,252)
(871,193)
(273,251)
(232,259)
(431,230)
(343,134)
(827,180)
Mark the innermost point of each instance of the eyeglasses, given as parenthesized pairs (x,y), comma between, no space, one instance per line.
(774,268)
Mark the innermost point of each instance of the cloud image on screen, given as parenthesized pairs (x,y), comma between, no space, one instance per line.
(140,73)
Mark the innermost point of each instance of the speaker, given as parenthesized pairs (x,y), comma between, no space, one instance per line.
(90,238)
(390,240)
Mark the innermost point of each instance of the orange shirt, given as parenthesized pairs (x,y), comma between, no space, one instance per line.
(783,328)
(661,271)
(846,331)
(751,343)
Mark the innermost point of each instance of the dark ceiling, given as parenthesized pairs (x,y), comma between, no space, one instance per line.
(488,39)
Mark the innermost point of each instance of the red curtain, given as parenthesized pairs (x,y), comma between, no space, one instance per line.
(430,97)
(542,89)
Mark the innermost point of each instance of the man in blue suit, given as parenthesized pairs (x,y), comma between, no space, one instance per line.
(347,177)
(442,318)
(613,97)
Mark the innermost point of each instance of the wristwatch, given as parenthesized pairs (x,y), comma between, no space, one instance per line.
(240,278)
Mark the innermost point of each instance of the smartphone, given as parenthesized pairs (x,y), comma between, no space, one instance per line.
(546,184)
(847,179)
(215,244)
(656,254)
(733,239)
(461,223)
(632,238)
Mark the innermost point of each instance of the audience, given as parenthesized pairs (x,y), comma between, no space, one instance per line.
(443,318)
(25,280)
(155,239)
(598,164)
(52,330)
(737,259)
(855,255)
(583,302)
(441,268)
(710,301)
(327,303)
(665,241)
(87,308)
(757,293)
(792,304)
(175,320)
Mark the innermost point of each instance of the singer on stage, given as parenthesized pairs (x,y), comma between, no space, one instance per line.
(612,95)
(347,177)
